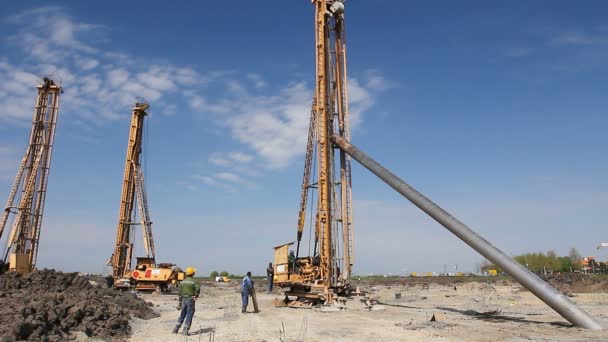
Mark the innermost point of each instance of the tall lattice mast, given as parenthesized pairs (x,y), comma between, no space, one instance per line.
(133,191)
(329,267)
(26,200)
(334,211)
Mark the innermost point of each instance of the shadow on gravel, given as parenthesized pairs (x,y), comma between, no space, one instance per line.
(202,331)
(495,316)
(398,305)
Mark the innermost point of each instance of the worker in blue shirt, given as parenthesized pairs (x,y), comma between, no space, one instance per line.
(246,287)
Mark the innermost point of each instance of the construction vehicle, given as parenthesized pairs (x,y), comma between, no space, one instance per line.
(147,275)
(324,276)
(221,279)
(25,205)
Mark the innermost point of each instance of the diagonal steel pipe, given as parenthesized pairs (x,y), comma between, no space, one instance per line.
(545,292)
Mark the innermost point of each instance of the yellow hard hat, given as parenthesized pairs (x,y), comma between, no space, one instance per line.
(190,270)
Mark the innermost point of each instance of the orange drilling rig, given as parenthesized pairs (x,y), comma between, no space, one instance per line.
(322,277)
(26,200)
(147,275)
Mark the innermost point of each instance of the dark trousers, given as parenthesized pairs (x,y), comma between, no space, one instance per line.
(270,278)
(187,313)
(245,297)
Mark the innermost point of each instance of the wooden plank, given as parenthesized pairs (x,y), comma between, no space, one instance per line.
(254,299)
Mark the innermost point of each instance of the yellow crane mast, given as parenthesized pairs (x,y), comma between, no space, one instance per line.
(325,274)
(26,200)
(147,275)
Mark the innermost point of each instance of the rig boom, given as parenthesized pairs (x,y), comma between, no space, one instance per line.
(326,273)
(133,190)
(28,194)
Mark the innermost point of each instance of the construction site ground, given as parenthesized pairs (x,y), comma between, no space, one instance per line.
(477,310)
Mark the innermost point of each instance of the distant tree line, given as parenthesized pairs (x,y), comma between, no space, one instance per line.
(545,262)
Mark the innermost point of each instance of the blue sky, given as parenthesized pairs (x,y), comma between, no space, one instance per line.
(497,112)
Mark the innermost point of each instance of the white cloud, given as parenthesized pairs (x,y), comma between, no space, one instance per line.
(229,159)
(16,81)
(117,77)
(222,180)
(169,110)
(217,160)
(376,82)
(256,80)
(228,176)
(574,38)
(19,88)
(573,49)
(102,85)
(360,99)
(240,157)
(273,126)
(91,84)
(140,90)
(276,126)
(48,26)
(205,179)
(235,167)
(197,102)
(157,78)
(64,31)
(188,76)
(232,174)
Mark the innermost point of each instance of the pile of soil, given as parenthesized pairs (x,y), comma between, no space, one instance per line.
(49,306)
(577,282)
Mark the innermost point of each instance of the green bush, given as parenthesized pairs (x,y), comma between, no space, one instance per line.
(538,262)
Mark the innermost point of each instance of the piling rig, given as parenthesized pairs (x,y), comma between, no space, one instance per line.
(147,274)
(324,275)
(25,205)
(317,278)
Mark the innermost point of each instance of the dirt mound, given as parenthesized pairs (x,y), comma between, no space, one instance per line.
(49,306)
(577,282)
(564,278)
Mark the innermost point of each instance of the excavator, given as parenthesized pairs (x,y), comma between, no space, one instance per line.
(25,205)
(323,276)
(147,275)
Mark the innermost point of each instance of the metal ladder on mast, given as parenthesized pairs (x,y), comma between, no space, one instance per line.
(144,213)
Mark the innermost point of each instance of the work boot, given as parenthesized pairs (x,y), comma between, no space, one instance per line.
(176,329)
